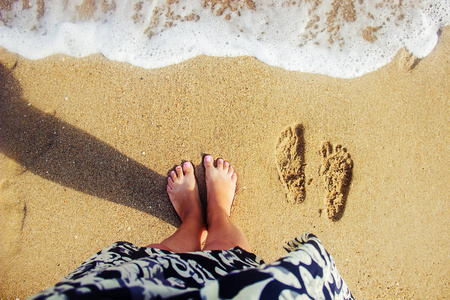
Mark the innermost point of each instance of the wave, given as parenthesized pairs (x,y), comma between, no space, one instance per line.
(340,38)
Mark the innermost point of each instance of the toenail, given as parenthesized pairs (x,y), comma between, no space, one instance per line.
(208,158)
(178,167)
(187,164)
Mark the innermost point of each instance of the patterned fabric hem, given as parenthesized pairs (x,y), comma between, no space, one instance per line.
(125,271)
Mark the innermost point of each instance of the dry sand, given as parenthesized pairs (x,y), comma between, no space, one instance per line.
(87,143)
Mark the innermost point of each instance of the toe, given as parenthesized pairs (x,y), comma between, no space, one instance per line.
(226,165)
(169,183)
(179,171)
(208,162)
(219,163)
(230,170)
(173,175)
(187,168)
(234,177)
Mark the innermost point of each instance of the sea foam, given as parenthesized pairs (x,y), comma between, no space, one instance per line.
(341,38)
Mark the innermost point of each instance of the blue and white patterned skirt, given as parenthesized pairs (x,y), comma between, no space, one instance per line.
(125,271)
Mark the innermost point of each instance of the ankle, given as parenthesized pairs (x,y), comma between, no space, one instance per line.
(194,218)
(217,215)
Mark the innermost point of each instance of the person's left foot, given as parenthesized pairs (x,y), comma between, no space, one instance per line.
(183,192)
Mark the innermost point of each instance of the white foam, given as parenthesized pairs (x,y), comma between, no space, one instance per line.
(292,36)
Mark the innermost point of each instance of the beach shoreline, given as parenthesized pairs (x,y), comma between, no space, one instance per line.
(98,139)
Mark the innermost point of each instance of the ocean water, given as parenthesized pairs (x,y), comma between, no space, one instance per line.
(340,38)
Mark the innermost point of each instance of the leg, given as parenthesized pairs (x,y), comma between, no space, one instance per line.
(220,188)
(183,193)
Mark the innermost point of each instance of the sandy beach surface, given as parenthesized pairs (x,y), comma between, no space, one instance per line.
(87,143)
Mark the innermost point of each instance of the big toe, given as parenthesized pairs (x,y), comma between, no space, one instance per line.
(208,162)
(188,168)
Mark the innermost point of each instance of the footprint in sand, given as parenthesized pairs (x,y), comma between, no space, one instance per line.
(290,159)
(336,172)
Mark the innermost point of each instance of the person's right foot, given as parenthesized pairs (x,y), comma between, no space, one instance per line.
(220,186)
(183,193)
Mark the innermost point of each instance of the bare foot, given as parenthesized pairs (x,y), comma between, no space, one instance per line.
(182,189)
(220,185)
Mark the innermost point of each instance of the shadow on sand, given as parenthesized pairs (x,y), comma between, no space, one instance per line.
(60,152)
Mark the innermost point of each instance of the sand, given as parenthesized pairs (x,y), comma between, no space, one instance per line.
(86,145)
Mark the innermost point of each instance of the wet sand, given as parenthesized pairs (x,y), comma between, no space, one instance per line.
(86,145)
